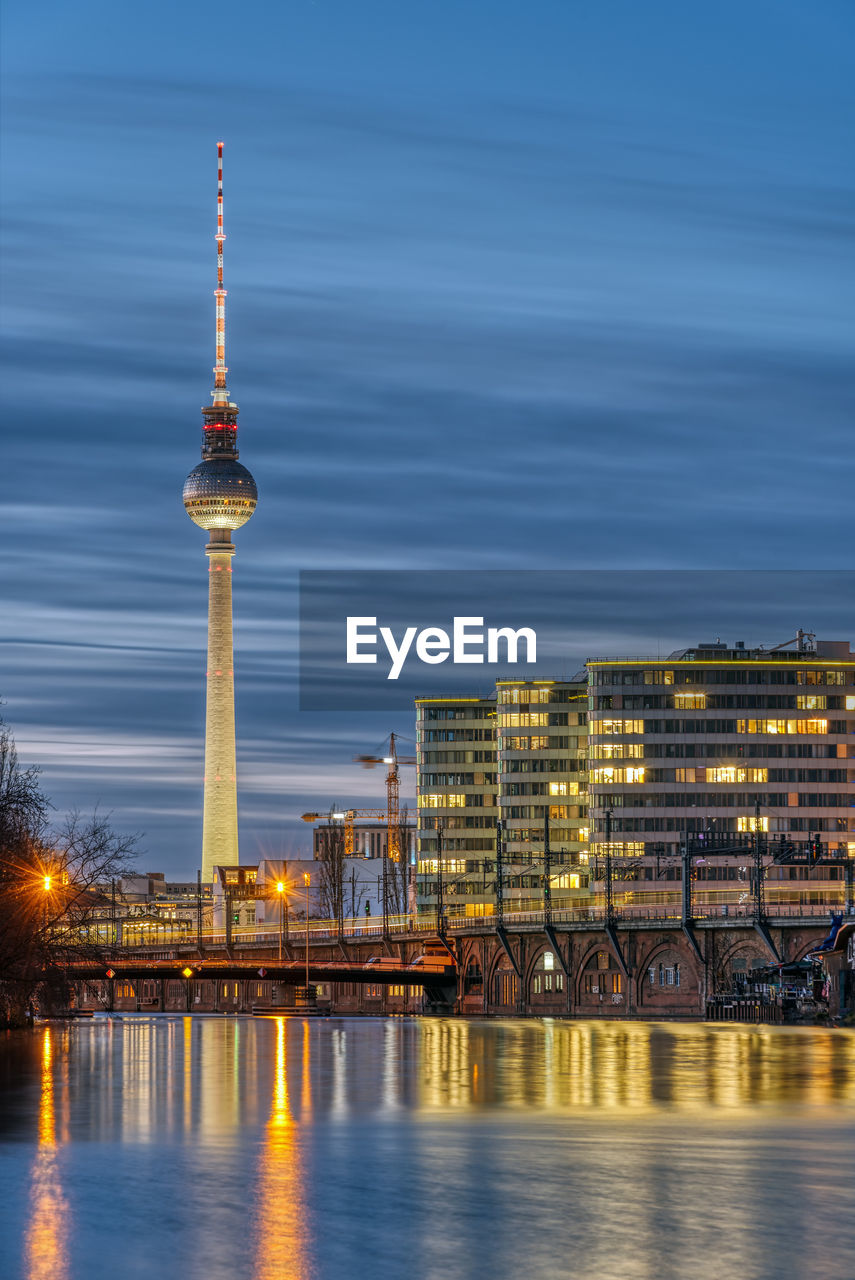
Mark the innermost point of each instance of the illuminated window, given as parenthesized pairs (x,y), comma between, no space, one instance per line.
(752,823)
(523,719)
(782,726)
(441,800)
(609,774)
(729,773)
(559,811)
(563,788)
(617,726)
(525,744)
(811,702)
(659,677)
(617,751)
(850,702)
(450,866)
(565,880)
(690,701)
(516,696)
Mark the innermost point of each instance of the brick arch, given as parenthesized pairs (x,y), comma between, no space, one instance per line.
(495,963)
(687,961)
(582,965)
(531,964)
(755,949)
(800,947)
(472,949)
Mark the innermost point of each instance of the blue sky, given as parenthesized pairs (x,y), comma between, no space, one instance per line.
(534,286)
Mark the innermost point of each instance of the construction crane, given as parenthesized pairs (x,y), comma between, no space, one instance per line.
(392,816)
(392,760)
(348,817)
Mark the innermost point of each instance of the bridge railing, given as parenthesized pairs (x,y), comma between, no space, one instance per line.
(629,914)
(359,927)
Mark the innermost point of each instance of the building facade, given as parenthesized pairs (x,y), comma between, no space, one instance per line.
(728,741)
(517,758)
(541,746)
(630,759)
(457,803)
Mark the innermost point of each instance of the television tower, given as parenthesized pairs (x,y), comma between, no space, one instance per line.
(219,496)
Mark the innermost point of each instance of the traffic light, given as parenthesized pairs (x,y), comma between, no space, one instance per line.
(814,850)
(235,917)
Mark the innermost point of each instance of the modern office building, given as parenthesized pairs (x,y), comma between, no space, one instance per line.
(726,740)
(541,745)
(518,756)
(628,759)
(457,802)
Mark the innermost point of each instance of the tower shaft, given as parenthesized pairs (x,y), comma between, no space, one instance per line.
(219,822)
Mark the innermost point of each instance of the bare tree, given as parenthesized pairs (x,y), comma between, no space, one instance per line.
(399,873)
(355,893)
(51,887)
(332,872)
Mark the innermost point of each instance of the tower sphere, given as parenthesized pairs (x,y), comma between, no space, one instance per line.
(220,494)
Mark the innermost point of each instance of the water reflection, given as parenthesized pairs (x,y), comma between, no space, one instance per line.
(601,1067)
(47,1233)
(289,1148)
(280,1227)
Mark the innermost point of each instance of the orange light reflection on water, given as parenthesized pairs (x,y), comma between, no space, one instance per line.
(46,1253)
(280,1229)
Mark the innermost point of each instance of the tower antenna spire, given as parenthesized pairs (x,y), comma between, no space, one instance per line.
(220,370)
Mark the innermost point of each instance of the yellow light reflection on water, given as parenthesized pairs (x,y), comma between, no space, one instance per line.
(280,1230)
(589,1067)
(46,1252)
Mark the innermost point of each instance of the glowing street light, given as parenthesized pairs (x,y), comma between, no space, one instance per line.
(47,883)
(280,889)
(307,881)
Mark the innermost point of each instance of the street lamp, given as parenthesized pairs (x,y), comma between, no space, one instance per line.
(307,881)
(280,889)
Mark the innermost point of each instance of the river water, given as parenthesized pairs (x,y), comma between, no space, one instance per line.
(324,1149)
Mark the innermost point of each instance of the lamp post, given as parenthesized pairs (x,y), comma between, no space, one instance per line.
(307,881)
(280,889)
(47,883)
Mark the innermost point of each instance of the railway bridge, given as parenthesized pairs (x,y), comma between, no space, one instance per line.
(559,964)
